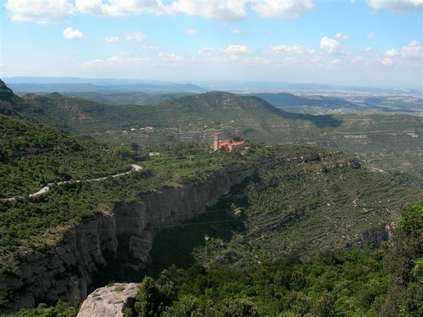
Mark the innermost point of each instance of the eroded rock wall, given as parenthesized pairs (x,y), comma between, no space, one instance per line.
(120,240)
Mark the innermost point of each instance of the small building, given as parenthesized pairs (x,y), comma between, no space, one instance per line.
(225,145)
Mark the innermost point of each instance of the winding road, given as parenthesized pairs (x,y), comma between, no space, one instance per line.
(43,191)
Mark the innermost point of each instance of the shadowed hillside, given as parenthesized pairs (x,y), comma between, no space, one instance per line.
(290,100)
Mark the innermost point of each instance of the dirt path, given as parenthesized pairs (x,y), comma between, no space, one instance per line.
(43,191)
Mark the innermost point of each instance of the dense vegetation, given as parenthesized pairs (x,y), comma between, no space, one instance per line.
(33,224)
(32,155)
(128,98)
(300,201)
(256,252)
(387,141)
(61,309)
(382,282)
(214,109)
(385,282)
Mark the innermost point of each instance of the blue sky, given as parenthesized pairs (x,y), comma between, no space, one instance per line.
(362,42)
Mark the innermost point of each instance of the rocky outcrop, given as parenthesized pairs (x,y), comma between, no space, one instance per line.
(112,244)
(109,301)
(5,92)
(373,237)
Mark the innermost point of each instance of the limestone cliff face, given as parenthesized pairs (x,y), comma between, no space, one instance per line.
(113,244)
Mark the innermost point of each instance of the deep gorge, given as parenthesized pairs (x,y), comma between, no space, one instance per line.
(114,245)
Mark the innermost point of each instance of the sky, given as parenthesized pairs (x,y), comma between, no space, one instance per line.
(343,42)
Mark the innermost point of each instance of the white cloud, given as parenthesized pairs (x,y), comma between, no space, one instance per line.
(89,6)
(391,53)
(236,49)
(112,39)
(215,9)
(191,31)
(39,11)
(413,50)
(236,31)
(395,4)
(135,36)
(287,8)
(388,57)
(70,33)
(288,49)
(330,45)
(45,11)
(120,7)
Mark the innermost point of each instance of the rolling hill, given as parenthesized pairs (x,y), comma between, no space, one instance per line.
(389,141)
(226,108)
(213,109)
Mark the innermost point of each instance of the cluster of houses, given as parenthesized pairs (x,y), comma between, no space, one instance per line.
(225,145)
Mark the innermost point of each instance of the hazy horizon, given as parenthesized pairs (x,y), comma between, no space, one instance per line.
(206,85)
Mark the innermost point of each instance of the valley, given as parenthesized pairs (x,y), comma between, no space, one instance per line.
(302,185)
(211,158)
(386,141)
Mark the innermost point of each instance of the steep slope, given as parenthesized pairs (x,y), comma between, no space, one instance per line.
(365,283)
(10,104)
(300,201)
(95,233)
(33,267)
(33,154)
(282,200)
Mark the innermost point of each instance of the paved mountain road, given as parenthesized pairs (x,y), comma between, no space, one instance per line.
(43,191)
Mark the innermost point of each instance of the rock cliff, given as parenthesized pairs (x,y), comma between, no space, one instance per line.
(114,244)
(109,301)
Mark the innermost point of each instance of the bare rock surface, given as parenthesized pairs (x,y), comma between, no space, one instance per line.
(109,301)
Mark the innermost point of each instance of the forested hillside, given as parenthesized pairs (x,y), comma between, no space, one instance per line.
(385,282)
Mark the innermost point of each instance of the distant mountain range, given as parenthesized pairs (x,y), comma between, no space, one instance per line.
(71,84)
(66,85)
